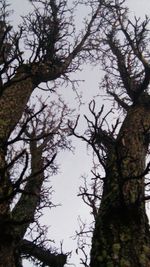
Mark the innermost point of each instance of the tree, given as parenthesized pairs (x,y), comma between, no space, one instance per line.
(29,140)
(121,234)
(32,149)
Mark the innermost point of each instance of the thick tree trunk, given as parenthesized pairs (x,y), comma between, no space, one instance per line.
(7,240)
(7,256)
(12,104)
(13,99)
(121,237)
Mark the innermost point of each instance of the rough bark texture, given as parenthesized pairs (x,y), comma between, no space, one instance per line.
(13,225)
(121,236)
(12,103)
(50,58)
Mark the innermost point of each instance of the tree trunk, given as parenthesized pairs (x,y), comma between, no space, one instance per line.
(7,256)
(12,103)
(7,242)
(13,100)
(121,237)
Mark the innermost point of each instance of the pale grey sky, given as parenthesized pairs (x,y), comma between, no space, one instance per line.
(63,220)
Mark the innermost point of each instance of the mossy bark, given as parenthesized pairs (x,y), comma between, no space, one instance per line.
(12,102)
(121,237)
(13,99)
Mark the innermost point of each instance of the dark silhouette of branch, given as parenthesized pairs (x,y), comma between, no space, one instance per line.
(24,126)
(45,256)
(119,100)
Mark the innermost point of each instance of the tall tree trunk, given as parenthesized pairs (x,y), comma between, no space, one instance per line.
(121,237)
(12,103)
(7,255)
(13,99)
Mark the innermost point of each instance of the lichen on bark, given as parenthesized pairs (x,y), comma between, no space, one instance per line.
(122,230)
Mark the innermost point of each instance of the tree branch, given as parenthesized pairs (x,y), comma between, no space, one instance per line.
(25,208)
(45,256)
(119,100)
(120,58)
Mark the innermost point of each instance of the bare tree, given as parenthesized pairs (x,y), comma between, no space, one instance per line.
(121,234)
(31,161)
(43,49)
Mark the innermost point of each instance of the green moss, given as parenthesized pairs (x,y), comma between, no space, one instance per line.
(10,190)
(104,253)
(110,264)
(103,256)
(143,260)
(100,258)
(3,122)
(133,196)
(124,263)
(125,235)
(146,250)
(116,248)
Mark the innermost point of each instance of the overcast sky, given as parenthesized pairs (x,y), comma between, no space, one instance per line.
(63,220)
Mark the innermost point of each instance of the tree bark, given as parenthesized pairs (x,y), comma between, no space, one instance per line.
(7,256)
(13,100)
(12,103)
(121,237)
(48,61)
